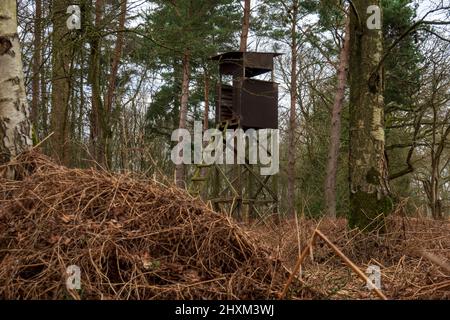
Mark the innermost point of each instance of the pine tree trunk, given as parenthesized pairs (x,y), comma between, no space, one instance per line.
(369,185)
(245,26)
(15,125)
(112,83)
(37,60)
(206,81)
(292,114)
(180,169)
(61,59)
(97,114)
(206,95)
(335,135)
(44,112)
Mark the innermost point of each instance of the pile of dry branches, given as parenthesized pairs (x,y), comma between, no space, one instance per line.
(131,238)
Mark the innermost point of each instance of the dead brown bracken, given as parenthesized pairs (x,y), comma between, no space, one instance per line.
(132,239)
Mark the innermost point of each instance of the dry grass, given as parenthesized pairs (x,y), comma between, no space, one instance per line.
(140,239)
(406,273)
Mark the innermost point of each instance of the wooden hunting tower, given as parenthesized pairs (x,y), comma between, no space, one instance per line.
(247,103)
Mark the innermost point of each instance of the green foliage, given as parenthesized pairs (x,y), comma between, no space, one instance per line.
(202,27)
(330,12)
(275,17)
(164,107)
(401,65)
(402,78)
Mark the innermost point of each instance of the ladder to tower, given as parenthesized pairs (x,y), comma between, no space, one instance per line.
(239,187)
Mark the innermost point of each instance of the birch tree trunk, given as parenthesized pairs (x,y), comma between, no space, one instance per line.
(335,135)
(15,125)
(369,185)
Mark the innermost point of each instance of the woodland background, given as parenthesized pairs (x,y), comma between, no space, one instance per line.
(111,93)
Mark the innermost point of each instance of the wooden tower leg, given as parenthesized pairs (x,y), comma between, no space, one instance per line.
(250,195)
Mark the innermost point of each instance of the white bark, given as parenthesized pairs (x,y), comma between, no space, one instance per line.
(15,126)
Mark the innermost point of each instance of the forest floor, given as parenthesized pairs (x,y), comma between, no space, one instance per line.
(413,255)
(140,239)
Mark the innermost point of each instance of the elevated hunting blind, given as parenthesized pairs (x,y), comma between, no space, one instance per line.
(242,102)
(247,102)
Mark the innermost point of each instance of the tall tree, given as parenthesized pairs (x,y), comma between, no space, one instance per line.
(206,95)
(335,134)
(15,125)
(112,79)
(245,26)
(97,132)
(116,57)
(37,60)
(369,185)
(187,32)
(180,176)
(293,20)
(436,135)
(281,22)
(62,46)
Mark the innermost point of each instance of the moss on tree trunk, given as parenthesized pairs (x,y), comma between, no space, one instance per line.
(370,199)
(368,211)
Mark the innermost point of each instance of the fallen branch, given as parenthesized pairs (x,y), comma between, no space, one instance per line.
(298,265)
(353,266)
(308,248)
(435,259)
